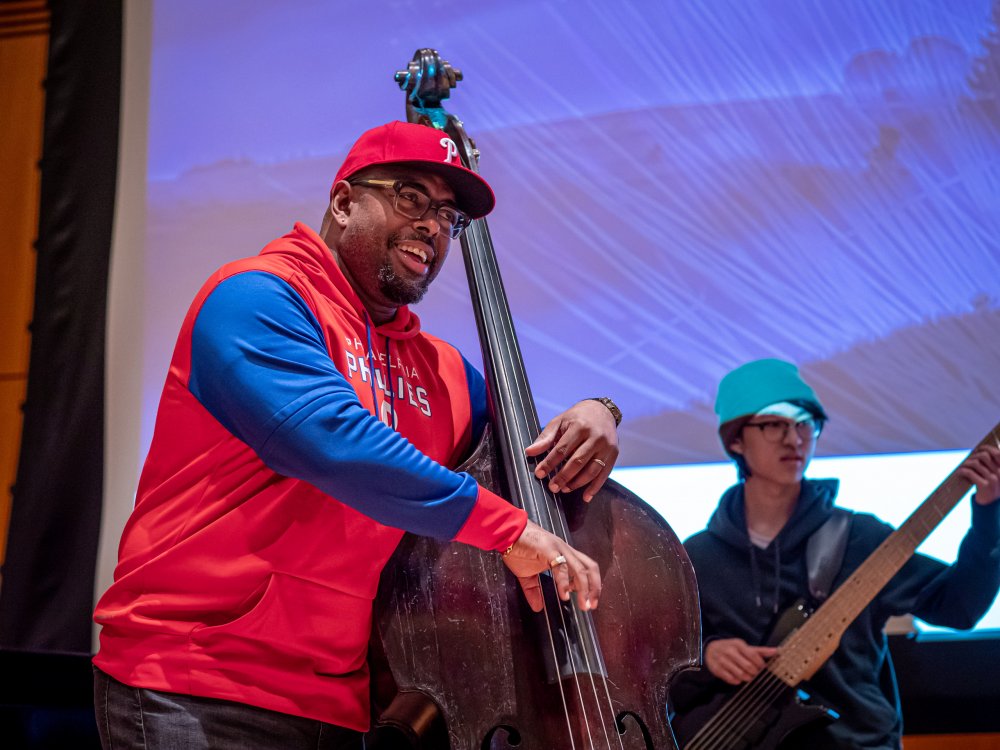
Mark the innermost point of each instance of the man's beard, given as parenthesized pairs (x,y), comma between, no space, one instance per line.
(397,289)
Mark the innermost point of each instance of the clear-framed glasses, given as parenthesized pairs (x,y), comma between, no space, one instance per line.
(775,430)
(414,203)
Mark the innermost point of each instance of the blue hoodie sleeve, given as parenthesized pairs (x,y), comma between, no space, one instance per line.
(260,366)
(954,596)
(477,396)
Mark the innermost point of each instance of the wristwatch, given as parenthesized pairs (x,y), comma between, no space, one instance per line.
(612,407)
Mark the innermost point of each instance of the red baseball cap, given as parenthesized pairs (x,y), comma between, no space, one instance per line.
(426,148)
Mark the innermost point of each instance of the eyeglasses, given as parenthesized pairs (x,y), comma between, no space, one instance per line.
(775,430)
(414,204)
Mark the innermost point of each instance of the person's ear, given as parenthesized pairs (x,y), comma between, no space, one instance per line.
(340,202)
(737,446)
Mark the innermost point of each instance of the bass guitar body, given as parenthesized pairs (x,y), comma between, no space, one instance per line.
(725,720)
(462,643)
(779,727)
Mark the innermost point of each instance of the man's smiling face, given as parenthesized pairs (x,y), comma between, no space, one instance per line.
(391,259)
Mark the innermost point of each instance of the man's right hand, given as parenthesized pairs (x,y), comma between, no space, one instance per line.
(536,551)
(734,661)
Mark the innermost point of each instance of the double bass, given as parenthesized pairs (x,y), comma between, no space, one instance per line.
(473,666)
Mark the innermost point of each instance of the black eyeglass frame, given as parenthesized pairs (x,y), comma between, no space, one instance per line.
(454,228)
(807,429)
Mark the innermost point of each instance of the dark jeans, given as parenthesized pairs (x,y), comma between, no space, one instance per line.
(137,719)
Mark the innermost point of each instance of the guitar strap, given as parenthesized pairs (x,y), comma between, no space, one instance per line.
(825,553)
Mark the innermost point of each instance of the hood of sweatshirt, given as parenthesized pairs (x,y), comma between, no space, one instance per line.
(728,524)
(814,506)
(305,246)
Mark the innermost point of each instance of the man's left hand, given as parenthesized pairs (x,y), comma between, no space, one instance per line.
(581,447)
(982,468)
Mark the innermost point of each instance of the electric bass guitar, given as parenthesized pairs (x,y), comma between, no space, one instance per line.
(762,713)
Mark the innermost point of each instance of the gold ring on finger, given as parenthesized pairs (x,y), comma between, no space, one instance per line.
(557,560)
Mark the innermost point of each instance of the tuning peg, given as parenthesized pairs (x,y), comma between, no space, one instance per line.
(428,78)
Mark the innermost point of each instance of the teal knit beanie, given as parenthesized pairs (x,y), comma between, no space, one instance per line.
(750,387)
(755,385)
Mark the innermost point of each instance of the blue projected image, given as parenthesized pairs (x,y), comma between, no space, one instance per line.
(682,187)
(693,186)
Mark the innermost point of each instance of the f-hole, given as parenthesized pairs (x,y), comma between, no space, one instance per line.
(624,726)
(500,737)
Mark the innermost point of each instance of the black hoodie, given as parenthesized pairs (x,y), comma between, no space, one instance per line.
(743,587)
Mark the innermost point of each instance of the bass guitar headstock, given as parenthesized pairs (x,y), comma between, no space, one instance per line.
(427,82)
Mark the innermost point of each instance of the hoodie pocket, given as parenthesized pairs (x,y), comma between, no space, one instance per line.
(295,624)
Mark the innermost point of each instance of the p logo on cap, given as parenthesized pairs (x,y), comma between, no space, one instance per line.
(451,150)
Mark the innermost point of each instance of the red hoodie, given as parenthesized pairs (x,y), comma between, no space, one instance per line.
(240,575)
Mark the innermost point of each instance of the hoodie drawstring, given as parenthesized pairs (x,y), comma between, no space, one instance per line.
(755,572)
(777,574)
(388,375)
(756,575)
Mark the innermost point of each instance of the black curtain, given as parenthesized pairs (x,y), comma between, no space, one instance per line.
(46,595)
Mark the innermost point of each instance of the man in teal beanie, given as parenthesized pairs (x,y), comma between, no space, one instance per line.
(751,565)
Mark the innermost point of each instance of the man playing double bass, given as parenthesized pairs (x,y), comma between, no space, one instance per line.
(751,565)
(306,421)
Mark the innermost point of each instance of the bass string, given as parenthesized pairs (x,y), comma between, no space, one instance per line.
(748,703)
(733,726)
(557,525)
(494,320)
(600,667)
(546,512)
(750,699)
(562,691)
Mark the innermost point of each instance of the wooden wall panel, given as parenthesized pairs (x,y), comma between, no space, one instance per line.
(24,28)
(952,742)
